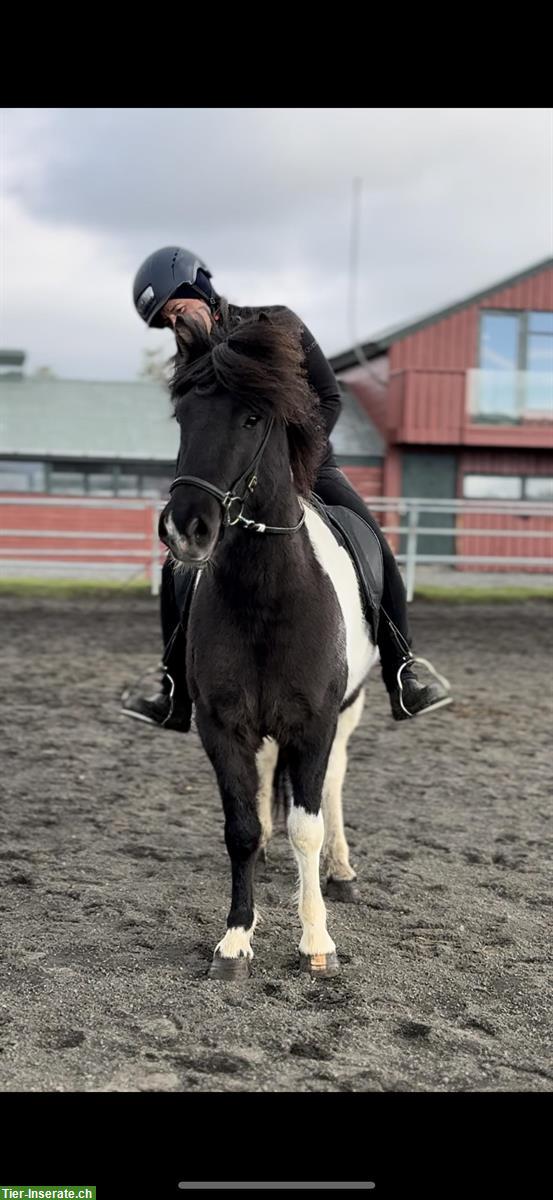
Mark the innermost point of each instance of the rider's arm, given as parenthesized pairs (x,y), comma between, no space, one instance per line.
(322,379)
(319,373)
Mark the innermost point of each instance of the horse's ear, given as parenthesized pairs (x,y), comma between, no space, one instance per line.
(263,316)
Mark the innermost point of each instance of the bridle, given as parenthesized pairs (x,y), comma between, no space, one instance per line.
(231,498)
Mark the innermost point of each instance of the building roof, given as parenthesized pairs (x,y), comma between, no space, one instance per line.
(64,418)
(380,342)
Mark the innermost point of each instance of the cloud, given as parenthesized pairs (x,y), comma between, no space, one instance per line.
(452,199)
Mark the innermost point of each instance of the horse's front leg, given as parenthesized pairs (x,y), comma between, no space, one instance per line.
(235,767)
(307,765)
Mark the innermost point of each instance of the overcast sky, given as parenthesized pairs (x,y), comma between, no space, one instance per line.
(452,199)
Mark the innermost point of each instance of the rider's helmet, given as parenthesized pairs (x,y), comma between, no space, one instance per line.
(169,274)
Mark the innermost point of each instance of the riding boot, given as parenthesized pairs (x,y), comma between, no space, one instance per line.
(170,707)
(408,697)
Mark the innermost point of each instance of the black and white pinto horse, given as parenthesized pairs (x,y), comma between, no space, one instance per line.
(278,646)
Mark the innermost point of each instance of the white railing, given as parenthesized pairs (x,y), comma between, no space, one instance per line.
(413,509)
(139,552)
(145,555)
(499,396)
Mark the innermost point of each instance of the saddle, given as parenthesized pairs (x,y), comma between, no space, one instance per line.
(356,536)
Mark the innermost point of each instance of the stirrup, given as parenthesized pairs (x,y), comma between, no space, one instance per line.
(410,662)
(161,669)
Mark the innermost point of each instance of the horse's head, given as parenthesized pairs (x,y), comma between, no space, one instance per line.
(236,395)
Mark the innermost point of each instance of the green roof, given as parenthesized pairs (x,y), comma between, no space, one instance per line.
(60,418)
(64,418)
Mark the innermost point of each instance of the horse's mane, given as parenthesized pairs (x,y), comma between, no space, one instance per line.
(260,360)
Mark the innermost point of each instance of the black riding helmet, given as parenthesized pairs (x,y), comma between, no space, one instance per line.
(168,274)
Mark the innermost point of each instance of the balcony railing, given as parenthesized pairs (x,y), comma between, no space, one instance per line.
(509,397)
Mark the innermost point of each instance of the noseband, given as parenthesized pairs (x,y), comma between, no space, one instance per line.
(232,498)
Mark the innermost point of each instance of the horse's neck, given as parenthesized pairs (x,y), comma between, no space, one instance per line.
(263,564)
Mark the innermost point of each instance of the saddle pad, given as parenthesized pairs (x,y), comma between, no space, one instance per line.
(365,551)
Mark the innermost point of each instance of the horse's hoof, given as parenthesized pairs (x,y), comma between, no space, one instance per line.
(343,890)
(229,968)
(320,964)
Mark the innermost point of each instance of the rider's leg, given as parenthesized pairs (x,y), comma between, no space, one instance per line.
(170,707)
(333,488)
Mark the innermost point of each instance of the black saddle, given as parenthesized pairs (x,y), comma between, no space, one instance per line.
(364,549)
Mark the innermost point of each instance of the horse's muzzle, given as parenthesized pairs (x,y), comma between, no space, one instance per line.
(194,543)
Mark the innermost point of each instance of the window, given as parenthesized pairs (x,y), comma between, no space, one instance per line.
(492,487)
(156,486)
(499,347)
(19,476)
(67,483)
(100,483)
(128,485)
(539,363)
(538,487)
(541,322)
(516,366)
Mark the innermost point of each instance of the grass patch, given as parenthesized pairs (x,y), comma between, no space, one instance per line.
(73,588)
(483,595)
(68,588)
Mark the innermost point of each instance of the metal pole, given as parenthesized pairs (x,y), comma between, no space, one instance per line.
(155,568)
(353,267)
(411,551)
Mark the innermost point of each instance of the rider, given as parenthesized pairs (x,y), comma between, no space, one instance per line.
(173,282)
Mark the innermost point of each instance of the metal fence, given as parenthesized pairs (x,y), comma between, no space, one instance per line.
(70,537)
(410,512)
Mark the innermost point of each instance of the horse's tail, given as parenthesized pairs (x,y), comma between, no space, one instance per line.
(282,785)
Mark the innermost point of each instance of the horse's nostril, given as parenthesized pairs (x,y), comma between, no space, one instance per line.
(197,531)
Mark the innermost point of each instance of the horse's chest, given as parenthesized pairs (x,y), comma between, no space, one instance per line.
(273,667)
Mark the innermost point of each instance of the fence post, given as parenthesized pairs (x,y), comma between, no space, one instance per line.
(154,564)
(411,551)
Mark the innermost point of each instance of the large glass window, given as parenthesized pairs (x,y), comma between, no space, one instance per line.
(539,363)
(515,380)
(499,352)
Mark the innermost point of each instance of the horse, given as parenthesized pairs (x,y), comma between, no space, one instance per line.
(278,646)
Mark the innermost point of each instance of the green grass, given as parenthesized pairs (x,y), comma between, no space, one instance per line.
(68,588)
(73,588)
(483,595)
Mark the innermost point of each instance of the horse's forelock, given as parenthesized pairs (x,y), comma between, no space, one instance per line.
(262,361)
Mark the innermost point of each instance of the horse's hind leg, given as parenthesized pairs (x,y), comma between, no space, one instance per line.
(236,772)
(266,760)
(307,767)
(340,875)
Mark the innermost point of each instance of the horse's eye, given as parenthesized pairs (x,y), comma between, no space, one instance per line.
(251,421)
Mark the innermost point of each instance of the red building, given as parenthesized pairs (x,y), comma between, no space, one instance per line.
(463,399)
